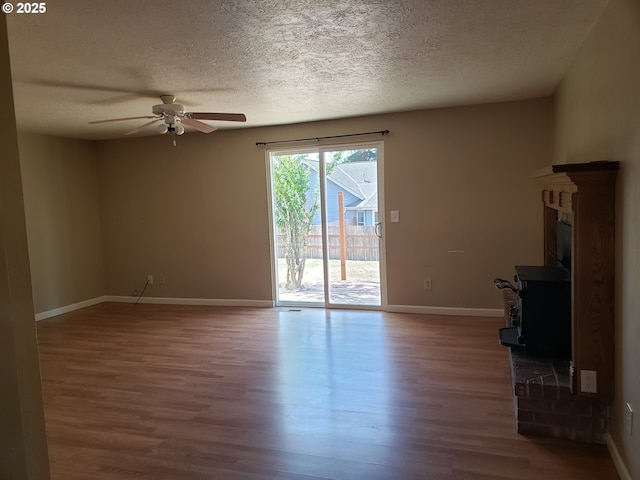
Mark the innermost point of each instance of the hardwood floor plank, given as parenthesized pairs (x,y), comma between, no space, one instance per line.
(190,392)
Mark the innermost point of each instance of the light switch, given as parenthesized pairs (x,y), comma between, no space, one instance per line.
(395,216)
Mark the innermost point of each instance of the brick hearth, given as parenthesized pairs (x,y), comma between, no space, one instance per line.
(543,401)
(544,404)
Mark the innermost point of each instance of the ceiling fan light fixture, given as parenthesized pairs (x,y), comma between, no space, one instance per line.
(163,128)
(179,129)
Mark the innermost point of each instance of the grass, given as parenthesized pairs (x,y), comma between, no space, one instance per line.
(357,271)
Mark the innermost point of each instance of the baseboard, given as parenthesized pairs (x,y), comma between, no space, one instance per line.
(617,459)
(466,312)
(69,308)
(192,301)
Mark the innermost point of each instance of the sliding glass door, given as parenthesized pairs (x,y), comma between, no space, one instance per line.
(327,227)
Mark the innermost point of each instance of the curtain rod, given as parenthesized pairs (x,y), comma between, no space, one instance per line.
(381,132)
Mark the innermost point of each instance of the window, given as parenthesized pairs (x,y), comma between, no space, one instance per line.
(360,218)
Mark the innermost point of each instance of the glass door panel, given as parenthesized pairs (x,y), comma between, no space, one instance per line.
(298,228)
(351,206)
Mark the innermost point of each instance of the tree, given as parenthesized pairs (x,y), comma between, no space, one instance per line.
(294,212)
(362,155)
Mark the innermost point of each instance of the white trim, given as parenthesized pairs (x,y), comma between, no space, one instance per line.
(617,459)
(324,222)
(382,240)
(192,301)
(321,148)
(466,312)
(272,226)
(69,308)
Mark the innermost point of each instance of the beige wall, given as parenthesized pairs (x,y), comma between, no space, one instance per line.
(176,213)
(598,118)
(461,180)
(197,214)
(60,185)
(23,447)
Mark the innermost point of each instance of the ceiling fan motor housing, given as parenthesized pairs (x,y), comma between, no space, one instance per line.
(174,109)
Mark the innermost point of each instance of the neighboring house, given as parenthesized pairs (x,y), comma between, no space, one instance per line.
(358,182)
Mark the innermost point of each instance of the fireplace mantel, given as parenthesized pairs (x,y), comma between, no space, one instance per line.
(583,195)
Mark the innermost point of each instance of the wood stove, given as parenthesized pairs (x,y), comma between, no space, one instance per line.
(541,321)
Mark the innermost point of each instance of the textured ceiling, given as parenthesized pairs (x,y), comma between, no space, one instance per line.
(283,61)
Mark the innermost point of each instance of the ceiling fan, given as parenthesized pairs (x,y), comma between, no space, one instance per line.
(174,116)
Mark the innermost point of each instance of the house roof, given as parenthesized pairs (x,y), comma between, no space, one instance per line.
(361,178)
(282,62)
(357,178)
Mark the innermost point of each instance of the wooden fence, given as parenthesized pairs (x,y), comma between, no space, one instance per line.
(362,243)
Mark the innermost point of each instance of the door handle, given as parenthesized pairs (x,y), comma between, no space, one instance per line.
(378,229)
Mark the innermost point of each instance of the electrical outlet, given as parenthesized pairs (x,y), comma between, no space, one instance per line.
(427,284)
(150,279)
(588,381)
(628,420)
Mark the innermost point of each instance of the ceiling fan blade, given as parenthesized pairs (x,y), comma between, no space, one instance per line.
(227,117)
(120,119)
(136,130)
(203,127)
(126,93)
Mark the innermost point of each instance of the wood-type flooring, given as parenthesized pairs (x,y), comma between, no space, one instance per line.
(201,393)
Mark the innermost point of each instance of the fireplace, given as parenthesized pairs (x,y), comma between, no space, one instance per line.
(550,397)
